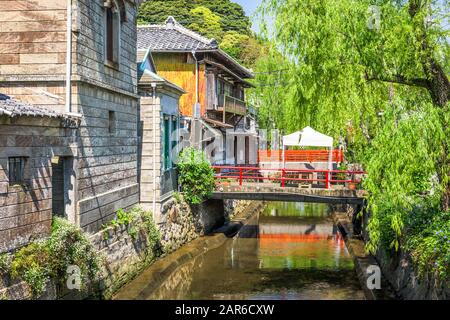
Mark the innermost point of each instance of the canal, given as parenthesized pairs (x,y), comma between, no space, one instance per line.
(289,251)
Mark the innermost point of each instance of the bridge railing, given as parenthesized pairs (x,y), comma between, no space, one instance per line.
(300,156)
(285,177)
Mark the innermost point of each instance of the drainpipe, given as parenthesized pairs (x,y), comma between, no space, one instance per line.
(154,148)
(69,58)
(194,120)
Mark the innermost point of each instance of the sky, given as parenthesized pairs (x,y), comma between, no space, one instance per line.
(250,7)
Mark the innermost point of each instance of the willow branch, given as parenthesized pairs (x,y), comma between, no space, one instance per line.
(399,79)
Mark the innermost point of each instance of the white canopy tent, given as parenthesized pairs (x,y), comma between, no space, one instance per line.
(308,137)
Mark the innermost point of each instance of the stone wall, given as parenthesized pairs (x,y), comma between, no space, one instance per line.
(399,271)
(181,223)
(26,210)
(397,267)
(33,70)
(107,160)
(33,38)
(125,256)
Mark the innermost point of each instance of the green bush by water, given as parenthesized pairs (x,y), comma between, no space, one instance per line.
(43,260)
(40,261)
(196,176)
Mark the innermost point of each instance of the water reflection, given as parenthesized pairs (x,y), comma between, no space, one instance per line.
(290,251)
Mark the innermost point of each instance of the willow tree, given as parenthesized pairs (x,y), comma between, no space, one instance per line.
(376,74)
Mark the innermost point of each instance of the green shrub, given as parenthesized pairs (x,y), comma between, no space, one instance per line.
(40,261)
(429,243)
(31,263)
(68,245)
(177,197)
(124,218)
(4,263)
(196,176)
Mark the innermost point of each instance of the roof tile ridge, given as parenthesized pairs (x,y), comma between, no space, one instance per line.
(177,26)
(143,26)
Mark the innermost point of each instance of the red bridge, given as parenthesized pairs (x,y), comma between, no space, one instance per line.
(302,185)
(337,156)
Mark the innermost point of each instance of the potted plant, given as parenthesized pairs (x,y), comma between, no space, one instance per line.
(351,185)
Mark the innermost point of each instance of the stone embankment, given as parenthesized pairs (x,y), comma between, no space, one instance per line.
(362,260)
(157,274)
(399,279)
(126,255)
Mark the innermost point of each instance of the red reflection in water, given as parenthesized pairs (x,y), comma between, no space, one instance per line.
(272,240)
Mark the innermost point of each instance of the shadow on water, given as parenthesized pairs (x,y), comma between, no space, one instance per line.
(290,251)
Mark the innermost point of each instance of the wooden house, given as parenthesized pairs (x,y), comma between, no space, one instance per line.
(215,86)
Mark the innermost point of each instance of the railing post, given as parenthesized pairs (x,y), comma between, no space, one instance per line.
(240,176)
(282,178)
(327,180)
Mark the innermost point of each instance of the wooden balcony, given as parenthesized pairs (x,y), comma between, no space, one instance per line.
(233,105)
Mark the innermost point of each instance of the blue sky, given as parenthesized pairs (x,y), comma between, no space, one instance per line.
(250,7)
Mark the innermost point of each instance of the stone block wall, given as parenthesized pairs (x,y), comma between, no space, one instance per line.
(90,38)
(150,159)
(26,210)
(33,70)
(33,40)
(125,256)
(107,158)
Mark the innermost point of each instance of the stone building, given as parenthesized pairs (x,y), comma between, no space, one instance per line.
(159,125)
(34,144)
(71,141)
(214,105)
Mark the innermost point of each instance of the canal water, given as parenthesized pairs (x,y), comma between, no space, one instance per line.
(290,251)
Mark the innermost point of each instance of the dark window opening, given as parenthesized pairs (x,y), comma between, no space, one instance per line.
(109,34)
(112,37)
(58,189)
(112,122)
(62,187)
(166,147)
(174,138)
(17,166)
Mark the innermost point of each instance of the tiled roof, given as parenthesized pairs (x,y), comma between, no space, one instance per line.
(14,108)
(172,37)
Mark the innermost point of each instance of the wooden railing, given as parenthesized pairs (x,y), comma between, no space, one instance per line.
(300,156)
(232,105)
(322,178)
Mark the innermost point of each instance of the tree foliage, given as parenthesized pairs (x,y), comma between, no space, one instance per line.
(383,91)
(206,22)
(222,20)
(232,15)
